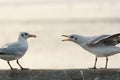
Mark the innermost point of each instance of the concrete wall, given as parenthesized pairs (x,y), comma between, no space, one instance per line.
(75,74)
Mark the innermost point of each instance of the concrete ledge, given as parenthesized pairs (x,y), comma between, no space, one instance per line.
(74,74)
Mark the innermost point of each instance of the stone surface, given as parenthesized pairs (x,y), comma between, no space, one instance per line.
(71,74)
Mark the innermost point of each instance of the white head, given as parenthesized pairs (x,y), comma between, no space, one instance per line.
(25,35)
(76,38)
(72,37)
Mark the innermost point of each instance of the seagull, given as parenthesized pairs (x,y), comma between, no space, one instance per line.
(100,46)
(15,50)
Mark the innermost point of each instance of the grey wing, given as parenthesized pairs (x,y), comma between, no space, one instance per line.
(94,40)
(10,49)
(108,40)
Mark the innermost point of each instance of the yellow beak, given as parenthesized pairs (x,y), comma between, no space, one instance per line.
(68,39)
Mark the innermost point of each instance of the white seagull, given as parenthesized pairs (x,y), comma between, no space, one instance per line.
(100,46)
(15,50)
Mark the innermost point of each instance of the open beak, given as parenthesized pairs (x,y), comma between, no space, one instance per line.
(68,39)
(31,35)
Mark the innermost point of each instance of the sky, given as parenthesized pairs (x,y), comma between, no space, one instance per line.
(68,9)
(49,19)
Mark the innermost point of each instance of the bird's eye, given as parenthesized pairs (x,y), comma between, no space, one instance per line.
(76,38)
(26,33)
(22,35)
(72,36)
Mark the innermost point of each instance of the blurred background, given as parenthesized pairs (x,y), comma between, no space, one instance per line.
(49,19)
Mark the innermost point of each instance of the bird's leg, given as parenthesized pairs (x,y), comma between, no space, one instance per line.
(11,66)
(21,66)
(94,64)
(106,62)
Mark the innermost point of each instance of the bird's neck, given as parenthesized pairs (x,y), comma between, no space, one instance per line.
(82,40)
(20,39)
(23,43)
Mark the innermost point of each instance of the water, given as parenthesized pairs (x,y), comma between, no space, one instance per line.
(49,22)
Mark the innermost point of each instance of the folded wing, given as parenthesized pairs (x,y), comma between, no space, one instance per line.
(11,49)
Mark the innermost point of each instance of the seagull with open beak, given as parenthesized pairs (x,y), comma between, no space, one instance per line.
(100,46)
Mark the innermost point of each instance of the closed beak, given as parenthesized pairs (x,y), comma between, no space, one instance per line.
(31,35)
